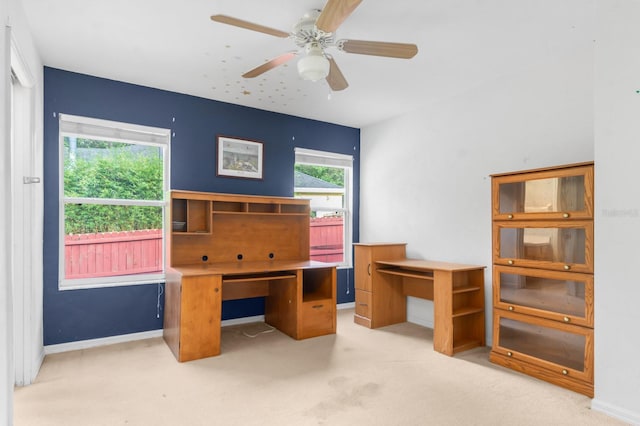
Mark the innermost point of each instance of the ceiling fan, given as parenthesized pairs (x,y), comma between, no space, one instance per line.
(315,33)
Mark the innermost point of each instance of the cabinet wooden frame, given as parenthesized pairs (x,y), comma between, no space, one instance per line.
(585,374)
(581,169)
(545,338)
(378,304)
(566,317)
(586,226)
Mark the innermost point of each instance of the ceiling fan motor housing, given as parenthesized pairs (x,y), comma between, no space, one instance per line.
(305,32)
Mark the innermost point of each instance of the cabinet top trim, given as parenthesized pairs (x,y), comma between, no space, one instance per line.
(214,196)
(543,169)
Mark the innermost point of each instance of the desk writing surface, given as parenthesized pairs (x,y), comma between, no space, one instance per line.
(254,267)
(421,265)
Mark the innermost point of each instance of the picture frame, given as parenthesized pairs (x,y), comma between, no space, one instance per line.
(240,158)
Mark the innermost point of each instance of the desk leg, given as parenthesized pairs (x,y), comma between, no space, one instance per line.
(443,312)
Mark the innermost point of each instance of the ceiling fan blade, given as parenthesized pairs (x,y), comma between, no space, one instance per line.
(379,48)
(334,14)
(248,25)
(277,61)
(335,78)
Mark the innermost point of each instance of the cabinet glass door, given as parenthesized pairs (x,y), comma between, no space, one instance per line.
(561,296)
(565,246)
(556,346)
(544,195)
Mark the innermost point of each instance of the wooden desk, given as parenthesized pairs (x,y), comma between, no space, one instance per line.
(457,291)
(229,246)
(300,301)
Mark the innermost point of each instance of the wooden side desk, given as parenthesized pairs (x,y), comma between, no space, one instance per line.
(300,301)
(457,292)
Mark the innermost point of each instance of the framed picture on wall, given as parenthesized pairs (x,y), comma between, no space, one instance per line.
(239,157)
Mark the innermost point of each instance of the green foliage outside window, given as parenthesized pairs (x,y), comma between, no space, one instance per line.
(334,175)
(108,170)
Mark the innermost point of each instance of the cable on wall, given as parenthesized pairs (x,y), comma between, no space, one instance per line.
(160,293)
(347,281)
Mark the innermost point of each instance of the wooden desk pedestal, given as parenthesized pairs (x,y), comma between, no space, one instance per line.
(457,292)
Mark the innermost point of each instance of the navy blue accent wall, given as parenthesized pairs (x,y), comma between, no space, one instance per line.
(72,315)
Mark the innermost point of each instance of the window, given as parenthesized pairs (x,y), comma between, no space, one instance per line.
(326,179)
(113,180)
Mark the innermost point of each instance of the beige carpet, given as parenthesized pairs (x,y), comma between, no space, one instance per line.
(389,376)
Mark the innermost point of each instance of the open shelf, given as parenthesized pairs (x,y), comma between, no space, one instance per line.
(294,209)
(467,310)
(190,217)
(408,273)
(465,344)
(461,290)
(316,285)
(259,208)
(229,207)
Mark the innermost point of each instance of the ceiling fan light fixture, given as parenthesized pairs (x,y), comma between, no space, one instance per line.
(314,66)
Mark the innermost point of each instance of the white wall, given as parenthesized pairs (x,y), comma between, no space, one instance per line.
(425,176)
(6,312)
(617,226)
(12,15)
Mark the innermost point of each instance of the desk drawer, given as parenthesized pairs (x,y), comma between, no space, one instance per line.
(363,303)
(318,318)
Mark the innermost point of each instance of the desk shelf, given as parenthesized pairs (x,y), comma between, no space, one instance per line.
(464,289)
(408,273)
(466,311)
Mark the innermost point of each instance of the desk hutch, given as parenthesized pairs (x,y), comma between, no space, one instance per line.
(226,247)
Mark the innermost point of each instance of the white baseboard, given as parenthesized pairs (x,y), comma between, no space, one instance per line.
(616,412)
(244,320)
(348,305)
(92,343)
(37,364)
(111,340)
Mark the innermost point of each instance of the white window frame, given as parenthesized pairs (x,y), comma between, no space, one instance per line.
(93,128)
(344,161)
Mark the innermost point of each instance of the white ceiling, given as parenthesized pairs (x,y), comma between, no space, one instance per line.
(173,45)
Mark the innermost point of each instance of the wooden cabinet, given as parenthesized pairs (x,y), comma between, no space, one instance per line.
(377,303)
(543,274)
(192,316)
(227,247)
